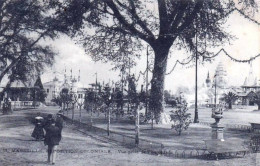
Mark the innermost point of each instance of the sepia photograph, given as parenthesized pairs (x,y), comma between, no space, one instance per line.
(130,82)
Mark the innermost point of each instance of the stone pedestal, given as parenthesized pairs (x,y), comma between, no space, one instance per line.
(217,131)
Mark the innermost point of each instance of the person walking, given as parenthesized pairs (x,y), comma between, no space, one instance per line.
(52,139)
(47,121)
(59,121)
(38,132)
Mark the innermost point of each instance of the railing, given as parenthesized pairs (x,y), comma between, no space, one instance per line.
(19,104)
(239,127)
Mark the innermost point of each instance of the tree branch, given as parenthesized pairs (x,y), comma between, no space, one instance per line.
(127,25)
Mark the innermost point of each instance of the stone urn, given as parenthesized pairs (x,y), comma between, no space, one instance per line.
(217,127)
(217,118)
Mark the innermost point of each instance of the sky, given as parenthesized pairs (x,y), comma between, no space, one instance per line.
(247,44)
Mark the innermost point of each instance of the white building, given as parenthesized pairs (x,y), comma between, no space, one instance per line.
(69,83)
(213,88)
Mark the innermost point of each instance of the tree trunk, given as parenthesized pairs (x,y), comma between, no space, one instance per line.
(80,113)
(108,122)
(230,105)
(157,83)
(259,106)
(73,105)
(91,110)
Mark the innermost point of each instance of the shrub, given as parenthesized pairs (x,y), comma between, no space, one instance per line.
(181,118)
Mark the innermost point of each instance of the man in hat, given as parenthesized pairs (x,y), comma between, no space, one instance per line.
(48,121)
(59,121)
(52,139)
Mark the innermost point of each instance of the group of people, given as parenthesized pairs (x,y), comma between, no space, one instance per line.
(7,109)
(51,136)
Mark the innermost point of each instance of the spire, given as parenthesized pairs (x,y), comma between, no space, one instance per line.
(65,72)
(96,78)
(251,76)
(70,73)
(245,82)
(65,75)
(208,79)
(79,76)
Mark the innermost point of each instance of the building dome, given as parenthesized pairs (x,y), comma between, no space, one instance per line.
(79,84)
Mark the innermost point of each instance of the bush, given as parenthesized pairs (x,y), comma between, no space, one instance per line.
(181,118)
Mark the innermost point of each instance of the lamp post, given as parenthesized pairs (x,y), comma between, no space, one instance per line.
(196,117)
(146,89)
(215,99)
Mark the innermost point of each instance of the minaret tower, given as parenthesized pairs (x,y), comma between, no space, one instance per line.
(65,76)
(208,81)
(79,76)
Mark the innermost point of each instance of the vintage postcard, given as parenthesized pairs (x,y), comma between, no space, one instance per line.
(129,82)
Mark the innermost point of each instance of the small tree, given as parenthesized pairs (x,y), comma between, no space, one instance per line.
(119,100)
(108,99)
(81,102)
(230,98)
(58,101)
(90,101)
(181,118)
(74,100)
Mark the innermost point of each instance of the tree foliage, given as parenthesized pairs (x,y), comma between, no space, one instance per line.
(181,118)
(22,25)
(39,93)
(230,98)
(111,29)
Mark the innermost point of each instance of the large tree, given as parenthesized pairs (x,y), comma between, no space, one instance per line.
(23,24)
(100,24)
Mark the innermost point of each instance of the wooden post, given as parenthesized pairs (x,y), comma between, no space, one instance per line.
(80,113)
(137,126)
(108,122)
(152,118)
(91,121)
(72,116)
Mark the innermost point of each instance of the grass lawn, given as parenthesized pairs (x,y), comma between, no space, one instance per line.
(193,138)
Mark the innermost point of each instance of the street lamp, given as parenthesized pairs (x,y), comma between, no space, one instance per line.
(196,117)
(215,80)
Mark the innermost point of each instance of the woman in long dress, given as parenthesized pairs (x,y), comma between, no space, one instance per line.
(38,132)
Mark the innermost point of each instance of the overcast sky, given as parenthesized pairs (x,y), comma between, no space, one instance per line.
(247,44)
